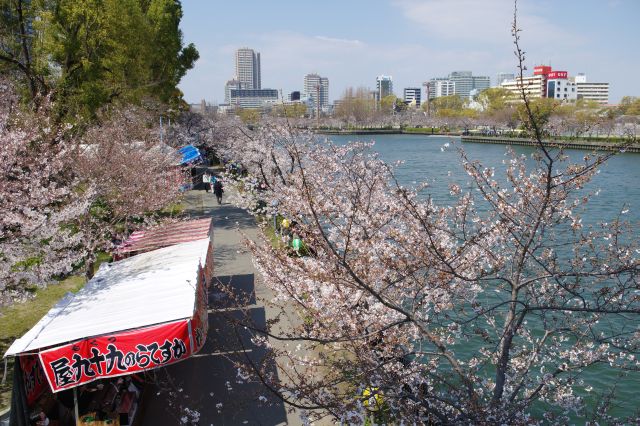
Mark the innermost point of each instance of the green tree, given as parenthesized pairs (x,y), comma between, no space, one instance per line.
(399,105)
(453,103)
(358,104)
(295,110)
(16,45)
(92,52)
(387,103)
(629,105)
(541,109)
(494,99)
(249,116)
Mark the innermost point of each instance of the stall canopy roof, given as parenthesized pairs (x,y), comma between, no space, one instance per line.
(175,233)
(189,154)
(150,288)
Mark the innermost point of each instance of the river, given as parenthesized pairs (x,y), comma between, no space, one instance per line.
(435,159)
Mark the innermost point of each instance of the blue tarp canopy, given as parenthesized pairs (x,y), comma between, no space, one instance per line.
(190,154)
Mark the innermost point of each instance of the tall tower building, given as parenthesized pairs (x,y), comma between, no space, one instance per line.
(384,86)
(465,82)
(316,89)
(248,68)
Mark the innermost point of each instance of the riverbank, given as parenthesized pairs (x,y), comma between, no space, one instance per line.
(588,144)
(405,131)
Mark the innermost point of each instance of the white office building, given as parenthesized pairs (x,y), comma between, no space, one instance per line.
(316,90)
(562,89)
(459,83)
(412,96)
(534,86)
(248,68)
(598,92)
(438,87)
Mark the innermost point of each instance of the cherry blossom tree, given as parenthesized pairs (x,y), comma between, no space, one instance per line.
(39,199)
(67,193)
(134,176)
(495,309)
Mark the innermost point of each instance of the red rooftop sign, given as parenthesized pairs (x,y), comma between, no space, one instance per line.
(555,75)
(542,70)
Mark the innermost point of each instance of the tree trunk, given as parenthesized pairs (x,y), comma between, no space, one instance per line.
(89,271)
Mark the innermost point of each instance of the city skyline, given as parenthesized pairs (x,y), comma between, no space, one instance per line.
(345,42)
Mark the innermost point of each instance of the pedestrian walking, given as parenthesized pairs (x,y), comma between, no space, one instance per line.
(206,179)
(218,190)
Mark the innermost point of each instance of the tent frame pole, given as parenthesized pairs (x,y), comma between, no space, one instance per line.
(75,405)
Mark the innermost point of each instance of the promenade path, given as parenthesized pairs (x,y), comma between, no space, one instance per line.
(207,382)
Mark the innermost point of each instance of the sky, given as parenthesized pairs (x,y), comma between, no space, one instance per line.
(352,41)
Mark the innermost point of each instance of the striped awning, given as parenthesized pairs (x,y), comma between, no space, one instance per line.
(168,235)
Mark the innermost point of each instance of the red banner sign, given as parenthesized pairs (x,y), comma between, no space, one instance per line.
(33,378)
(116,355)
(554,75)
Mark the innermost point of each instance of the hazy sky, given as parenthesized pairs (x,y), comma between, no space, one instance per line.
(353,41)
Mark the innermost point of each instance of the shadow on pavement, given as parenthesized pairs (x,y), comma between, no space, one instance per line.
(231,291)
(230,217)
(211,382)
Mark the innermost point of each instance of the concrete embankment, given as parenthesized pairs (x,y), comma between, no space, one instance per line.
(425,131)
(591,145)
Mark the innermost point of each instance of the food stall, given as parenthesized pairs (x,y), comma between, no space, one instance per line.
(167,235)
(83,363)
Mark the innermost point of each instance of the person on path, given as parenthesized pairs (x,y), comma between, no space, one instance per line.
(206,179)
(217,189)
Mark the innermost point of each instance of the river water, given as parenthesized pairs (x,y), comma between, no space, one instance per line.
(435,159)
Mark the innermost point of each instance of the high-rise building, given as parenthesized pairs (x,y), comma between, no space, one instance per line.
(459,83)
(384,86)
(248,68)
(316,89)
(412,96)
(465,82)
(504,76)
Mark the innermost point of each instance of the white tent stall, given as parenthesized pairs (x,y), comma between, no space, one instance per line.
(137,314)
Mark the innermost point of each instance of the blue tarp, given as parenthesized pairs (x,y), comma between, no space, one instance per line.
(190,154)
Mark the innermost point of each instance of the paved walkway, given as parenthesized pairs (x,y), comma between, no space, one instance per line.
(208,382)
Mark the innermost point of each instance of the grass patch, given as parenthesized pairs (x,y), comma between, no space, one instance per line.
(17,319)
(270,232)
(421,130)
(174,209)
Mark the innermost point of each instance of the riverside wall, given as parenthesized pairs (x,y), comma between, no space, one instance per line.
(591,145)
